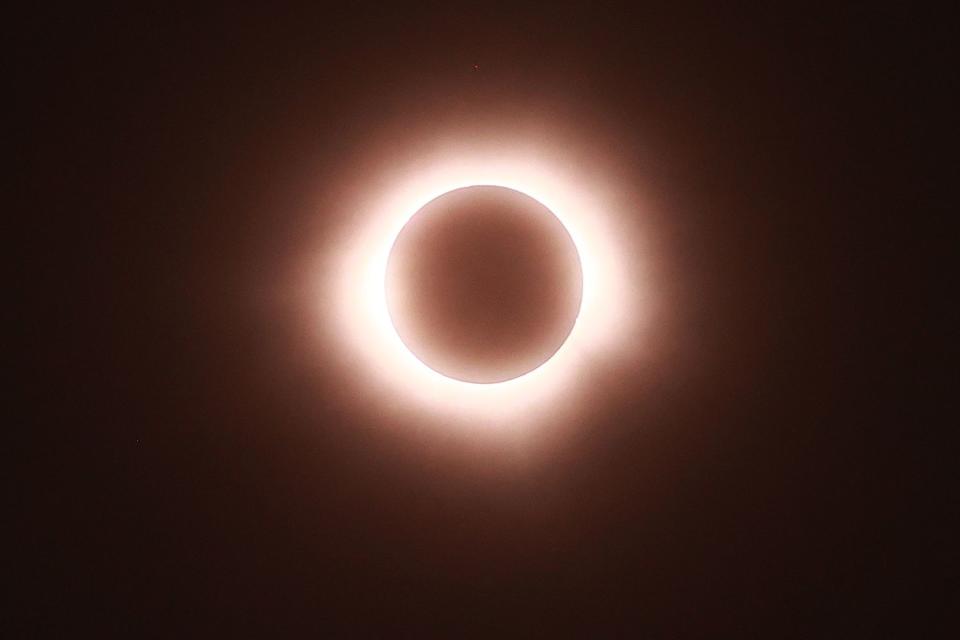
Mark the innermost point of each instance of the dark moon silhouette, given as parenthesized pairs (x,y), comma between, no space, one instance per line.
(484,284)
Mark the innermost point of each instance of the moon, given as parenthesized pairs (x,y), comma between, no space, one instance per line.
(483,284)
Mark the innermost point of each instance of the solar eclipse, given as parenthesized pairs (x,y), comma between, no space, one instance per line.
(582,304)
(444,320)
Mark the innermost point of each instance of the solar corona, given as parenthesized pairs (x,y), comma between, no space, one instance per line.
(434,261)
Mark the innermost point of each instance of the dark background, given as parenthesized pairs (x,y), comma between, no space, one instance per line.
(181,477)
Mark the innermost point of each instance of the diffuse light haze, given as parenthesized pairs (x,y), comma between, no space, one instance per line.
(242,421)
(616,296)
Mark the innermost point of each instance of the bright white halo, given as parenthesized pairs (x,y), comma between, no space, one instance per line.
(365,322)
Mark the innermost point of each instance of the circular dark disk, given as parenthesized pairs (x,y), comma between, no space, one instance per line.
(484,284)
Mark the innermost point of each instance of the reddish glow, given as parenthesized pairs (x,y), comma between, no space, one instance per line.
(524,295)
(609,315)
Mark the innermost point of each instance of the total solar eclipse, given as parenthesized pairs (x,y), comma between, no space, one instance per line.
(483,284)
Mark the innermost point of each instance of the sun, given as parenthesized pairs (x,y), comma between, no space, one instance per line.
(359,298)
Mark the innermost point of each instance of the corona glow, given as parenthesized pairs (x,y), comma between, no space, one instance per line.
(357,296)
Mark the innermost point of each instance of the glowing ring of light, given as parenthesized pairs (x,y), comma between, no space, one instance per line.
(607,296)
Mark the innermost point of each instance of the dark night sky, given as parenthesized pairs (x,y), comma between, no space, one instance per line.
(189,471)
